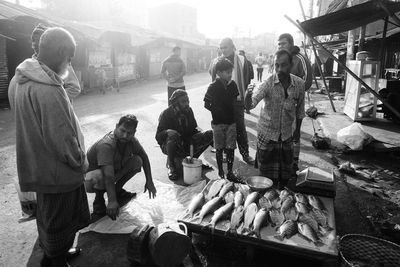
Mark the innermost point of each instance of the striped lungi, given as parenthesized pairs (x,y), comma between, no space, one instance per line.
(59,216)
(276,161)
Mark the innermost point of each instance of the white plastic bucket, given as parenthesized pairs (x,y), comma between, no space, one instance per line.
(192,171)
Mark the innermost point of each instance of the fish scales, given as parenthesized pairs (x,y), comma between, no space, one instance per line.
(196,203)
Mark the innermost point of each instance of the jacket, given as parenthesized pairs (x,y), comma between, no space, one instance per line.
(49,141)
(301,67)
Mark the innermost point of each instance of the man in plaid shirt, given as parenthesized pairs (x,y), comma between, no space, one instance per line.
(283,95)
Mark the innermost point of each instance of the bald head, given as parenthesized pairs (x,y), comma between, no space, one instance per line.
(56,49)
(227,47)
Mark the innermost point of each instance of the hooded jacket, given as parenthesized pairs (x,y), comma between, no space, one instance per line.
(301,67)
(49,141)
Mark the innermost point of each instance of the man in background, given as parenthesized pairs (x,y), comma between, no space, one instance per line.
(50,147)
(301,67)
(173,69)
(260,66)
(240,75)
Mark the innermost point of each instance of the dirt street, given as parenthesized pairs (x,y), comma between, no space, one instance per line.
(98,115)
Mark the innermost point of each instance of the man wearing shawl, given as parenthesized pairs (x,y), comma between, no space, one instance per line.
(177,130)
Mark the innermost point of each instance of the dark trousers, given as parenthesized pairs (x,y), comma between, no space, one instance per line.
(241,133)
(171,90)
(259,74)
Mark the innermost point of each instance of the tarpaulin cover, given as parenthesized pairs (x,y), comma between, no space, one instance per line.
(169,205)
(349,18)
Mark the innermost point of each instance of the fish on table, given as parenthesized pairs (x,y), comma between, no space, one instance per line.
(249,215)
(236,218)
(220,214)
(238,200)
(251,198)
(287,230)
(300,198)
(308,232)
(229,197)
(214,189)
(196,203)
(211,206)
(260,220)
(316,202)
(225,189)
(276,217)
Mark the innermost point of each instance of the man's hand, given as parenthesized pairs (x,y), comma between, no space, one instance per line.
(247,97)
(171,132)
(112,210)
(149,186)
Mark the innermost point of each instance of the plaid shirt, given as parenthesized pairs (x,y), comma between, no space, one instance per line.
(279,114)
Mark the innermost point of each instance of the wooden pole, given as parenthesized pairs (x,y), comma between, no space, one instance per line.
(372,91)
(361,39)
(382,49)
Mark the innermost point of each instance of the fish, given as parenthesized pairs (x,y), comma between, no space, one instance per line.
(321,217)
(301,207)
(287,230)
(316,202)
(271,194)
(236,218)
(284,194)
(310,220)
(276,217)
(287,203)
(301,198)
(209,207)
(291,214)
(259,221)
(252,197)
(196,203)
(263,202)
(238,200)
(229,197)
(225,189)
(249,215)
(308,232)
(215,188)
(221,213)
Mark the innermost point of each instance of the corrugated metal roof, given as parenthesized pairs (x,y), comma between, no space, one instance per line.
(10,11)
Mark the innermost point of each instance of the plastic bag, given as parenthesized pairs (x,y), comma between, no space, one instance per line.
(354,136)
(27,201)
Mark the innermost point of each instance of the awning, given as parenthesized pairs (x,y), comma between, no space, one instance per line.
(350,18)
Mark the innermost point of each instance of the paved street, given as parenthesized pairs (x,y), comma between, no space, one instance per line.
(98,115)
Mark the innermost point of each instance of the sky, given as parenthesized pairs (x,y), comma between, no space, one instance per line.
(216,18)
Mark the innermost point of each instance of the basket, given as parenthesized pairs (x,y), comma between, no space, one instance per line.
(361,250)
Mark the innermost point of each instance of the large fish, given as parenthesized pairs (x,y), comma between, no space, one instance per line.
(316,202)
(215,188)
(236,218)
(309,233)
(309,219)
(321,217)
(263,202)
(287,203)
(301,207)
(284,194)
(229,197)
(259,221)
(276,217)
(196,203)
(252,197)
(211,206)
(249,215)
(271,194)
(225,189)
(287,230)
(221,213)
(238,200)
(301,198)
(291,214)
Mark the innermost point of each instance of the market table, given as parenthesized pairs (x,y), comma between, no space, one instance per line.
(295,246)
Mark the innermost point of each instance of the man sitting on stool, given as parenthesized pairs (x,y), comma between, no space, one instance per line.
(113,161)
(177,130)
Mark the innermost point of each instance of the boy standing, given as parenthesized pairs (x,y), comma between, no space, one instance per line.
(219,99)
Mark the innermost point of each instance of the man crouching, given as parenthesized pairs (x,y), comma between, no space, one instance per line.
(113,161)
(177,130)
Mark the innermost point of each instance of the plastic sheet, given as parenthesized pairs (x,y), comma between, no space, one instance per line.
(169,205)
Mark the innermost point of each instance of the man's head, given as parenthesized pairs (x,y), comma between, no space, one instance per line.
(180,100)
(126,128)
(285,41)
(56,49)
(227,47)
(176,51)
(35,37)
(224,68)
(283,64)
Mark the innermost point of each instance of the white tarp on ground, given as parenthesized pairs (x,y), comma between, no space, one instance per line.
(169,205)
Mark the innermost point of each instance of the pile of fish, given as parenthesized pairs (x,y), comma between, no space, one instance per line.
(288,212)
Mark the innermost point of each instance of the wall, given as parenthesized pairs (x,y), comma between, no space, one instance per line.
(3,71)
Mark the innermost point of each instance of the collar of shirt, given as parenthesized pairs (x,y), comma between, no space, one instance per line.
(276,79)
